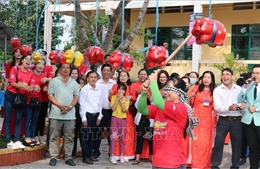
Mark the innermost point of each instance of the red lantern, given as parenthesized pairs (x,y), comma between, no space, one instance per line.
(15,42)
(82,69)
(26,49)
(95,55)
(120,60)
(209,31)
(155,56)
(54,57)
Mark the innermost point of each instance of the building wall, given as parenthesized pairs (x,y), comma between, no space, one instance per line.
(223,13)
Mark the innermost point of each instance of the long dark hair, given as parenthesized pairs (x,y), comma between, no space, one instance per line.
(212,84)
(22,58)
(128,82)
(160,85)
(74,68)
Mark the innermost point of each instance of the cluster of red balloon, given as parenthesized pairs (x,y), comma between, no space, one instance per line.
(155,57)
(117,59)
(209,31)
(24,49)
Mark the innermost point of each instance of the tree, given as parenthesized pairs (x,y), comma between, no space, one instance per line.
(8,15)
(87,34)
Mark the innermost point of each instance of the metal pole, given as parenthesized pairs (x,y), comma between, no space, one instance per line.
(5,50)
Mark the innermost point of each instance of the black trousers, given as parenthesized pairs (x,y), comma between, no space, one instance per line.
(244,143)
(253,139)
(77,134)
(105,123)
(41,119)
(235,128)
(141,130)
(89,136)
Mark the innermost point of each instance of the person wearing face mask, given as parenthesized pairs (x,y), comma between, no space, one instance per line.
(194,76)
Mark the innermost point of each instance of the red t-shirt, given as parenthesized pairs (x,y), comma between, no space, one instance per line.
(23,77)
(36,80)
(48,72)
(8,67)
(136,86)
(169,128)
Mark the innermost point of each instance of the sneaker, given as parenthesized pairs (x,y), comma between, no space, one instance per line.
(122,159)
(37,141)
(113,160)
(11,145)
(41,139)
(19,144)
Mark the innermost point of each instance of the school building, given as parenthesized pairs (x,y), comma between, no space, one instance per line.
(240,17)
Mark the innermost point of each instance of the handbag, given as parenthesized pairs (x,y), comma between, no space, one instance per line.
(35,103)
(20,99)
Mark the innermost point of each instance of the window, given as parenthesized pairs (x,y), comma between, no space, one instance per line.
(173,36)
(246,41)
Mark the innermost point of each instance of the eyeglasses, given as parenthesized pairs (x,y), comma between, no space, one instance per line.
(248,81)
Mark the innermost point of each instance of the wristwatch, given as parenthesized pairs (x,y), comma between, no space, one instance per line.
(70,106)
(257,109)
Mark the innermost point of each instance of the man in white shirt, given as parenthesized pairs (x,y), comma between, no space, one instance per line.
(106,58)
(90,100)
(228,109)
(105,84)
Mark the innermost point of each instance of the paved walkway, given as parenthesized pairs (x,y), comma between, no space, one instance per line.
(104,162)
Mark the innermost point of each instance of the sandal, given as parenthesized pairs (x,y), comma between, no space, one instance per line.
(136,162)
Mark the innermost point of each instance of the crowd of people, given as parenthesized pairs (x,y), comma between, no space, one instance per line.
(151,118)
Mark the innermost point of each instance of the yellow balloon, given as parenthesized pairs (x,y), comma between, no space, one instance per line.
(36,57)
(69,55)
(79,59)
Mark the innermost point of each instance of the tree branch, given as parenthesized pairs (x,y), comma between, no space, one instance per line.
(81,26)
(136,28)
(113,24)
(92,28)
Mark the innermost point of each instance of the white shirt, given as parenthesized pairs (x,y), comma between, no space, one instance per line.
(90,100)
(105,87)
(139,115)
(99,71)
(224,97)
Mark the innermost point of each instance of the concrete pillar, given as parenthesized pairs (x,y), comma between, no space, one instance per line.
(48,30)
(196,49)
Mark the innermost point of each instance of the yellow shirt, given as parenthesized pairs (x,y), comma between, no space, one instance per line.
(118,112)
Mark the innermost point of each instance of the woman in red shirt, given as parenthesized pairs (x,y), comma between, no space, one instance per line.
(170,120)
(32,113)
(48,72)
(15,62)
(123,77)
(15,86)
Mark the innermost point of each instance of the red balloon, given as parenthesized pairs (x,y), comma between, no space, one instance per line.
(82,69)
(15,42)
(209,31)
(54,57)
(26,49)
(155,56)
(95,55)
(120,60)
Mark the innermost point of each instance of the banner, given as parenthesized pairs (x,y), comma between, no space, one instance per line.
(193,18)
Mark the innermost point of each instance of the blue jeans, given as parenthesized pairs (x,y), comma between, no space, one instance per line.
(8,106)
(19,112)
(30,121)
(181,167)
